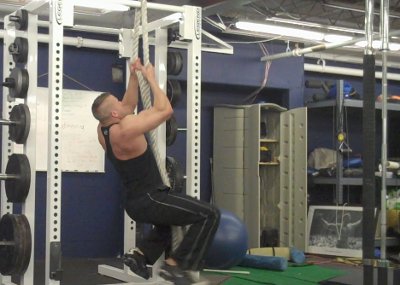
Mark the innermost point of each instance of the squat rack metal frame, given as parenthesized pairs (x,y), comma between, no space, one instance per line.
(61,15)
(29,148)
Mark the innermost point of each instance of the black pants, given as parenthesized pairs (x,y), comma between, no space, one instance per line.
(164,209)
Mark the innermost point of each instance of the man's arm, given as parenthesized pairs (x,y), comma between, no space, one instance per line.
(132,91)
(151,118)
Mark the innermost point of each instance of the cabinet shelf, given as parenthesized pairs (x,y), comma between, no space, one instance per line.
(269,141)
(357,181)
(352,103)
(268,163)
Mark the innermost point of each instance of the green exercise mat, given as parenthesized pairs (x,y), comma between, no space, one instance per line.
(294,275)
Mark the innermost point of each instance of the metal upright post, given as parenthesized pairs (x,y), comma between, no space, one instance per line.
(368,194)
(339,131)
(384,27)
(60,14)
(191,31)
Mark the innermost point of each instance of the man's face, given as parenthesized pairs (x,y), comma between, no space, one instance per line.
(118,110)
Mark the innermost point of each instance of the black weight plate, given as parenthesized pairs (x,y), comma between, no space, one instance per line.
(175,174)
(174,91)
(14,259)
(174,62)
(20,78)
(21,20)
(19,132)
(171,130)
(18,189)
(19,50)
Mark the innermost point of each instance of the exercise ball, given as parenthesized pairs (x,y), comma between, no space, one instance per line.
(229,245)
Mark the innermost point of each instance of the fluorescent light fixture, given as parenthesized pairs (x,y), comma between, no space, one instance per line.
(332,38)
(105,6)
(279,30)
(378,44)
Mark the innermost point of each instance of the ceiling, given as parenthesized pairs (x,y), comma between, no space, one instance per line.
(219,16)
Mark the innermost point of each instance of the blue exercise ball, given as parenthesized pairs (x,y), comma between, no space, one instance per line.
(230,243)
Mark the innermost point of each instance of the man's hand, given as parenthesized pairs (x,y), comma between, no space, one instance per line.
(147,71)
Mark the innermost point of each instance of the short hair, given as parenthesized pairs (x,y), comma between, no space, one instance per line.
(96,105)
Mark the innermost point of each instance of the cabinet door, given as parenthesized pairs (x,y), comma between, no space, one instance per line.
(293,178)
(228,159)
(251,174)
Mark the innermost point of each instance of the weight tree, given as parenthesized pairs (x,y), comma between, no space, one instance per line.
(19,144)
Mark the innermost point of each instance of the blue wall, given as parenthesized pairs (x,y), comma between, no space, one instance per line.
(92,213)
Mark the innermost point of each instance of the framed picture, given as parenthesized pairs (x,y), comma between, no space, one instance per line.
(335,230)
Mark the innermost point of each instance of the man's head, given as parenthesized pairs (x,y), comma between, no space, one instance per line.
(107,108)
(101,106)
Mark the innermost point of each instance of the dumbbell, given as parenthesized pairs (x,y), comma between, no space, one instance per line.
(17,82)
(19,123)
(17,178)
(15,244)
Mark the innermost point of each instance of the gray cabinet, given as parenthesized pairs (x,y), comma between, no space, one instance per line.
(260,169)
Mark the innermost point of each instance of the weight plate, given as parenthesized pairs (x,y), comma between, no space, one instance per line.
(15,258)
(18,82)
(174,91)
(22,20)
(174,62)
(19,132)
(17,189)
(19,50)
(175,175)
(171,131)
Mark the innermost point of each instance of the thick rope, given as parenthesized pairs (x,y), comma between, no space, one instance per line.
(143,84)
(177,232)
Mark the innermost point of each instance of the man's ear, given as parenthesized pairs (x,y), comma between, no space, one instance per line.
(114,114)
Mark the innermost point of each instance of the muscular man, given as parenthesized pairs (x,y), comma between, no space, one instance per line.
(146,200)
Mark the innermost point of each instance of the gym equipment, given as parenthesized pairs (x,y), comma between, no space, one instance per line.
(348,91)
(15,244)
(290,253)
(19,123)
(173,35)
(174,62)
(171,130)
(174,91)
(175,174)
(19,50)
(17,178)
(230,242)
(264,262)
(18,83)
(20,19)
(317,84)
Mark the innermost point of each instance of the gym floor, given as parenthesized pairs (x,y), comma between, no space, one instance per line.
(80,271)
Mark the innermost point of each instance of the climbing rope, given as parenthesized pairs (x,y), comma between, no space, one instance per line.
(141,15)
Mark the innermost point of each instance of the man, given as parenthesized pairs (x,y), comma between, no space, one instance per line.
(146,200)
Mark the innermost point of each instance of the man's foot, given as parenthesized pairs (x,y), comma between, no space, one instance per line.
(137,263)
(175,275)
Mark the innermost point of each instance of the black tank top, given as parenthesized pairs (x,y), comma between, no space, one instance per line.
(139,174)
